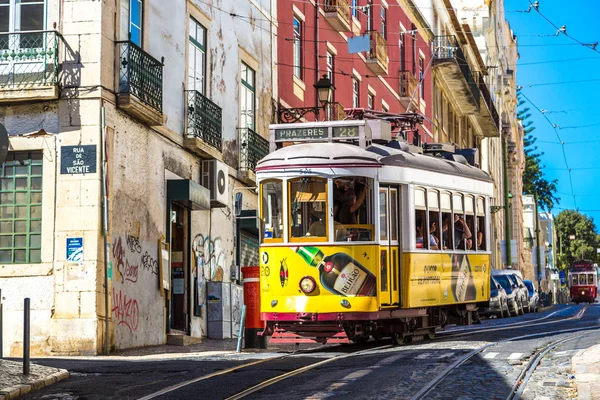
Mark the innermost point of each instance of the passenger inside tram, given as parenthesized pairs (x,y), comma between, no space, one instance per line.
(346,202)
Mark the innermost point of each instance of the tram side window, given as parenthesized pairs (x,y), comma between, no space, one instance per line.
(420,218)
(271,209)
(433,205)
(590,279)
(446,207)
(352,217)
(470,221)
(308,207)
(480,241)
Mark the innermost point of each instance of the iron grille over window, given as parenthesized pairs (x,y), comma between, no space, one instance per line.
(28,59)
(140,75)
(204,119)
(21,208)
(253,147)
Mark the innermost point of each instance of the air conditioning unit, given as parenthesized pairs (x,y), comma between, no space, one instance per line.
(216,179)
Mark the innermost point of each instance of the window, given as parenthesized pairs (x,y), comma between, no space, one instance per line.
(421,77)
(247,97)
(401,49)
(197,57)
(355,8)
(371,101)
(433,207)
(21,208)
(385,108)
(369,10)
(330,68)
(136,15)
(308,208)
(413,30)
(383,22)
(480,242)
(351,209)
(20,16)
(470,220)
(272,209)
(446,208)
(355,92)
(297,47)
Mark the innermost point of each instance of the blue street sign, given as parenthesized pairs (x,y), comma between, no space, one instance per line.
(561,275)
(75,249)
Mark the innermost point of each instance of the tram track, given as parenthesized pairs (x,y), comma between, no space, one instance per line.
(525,374)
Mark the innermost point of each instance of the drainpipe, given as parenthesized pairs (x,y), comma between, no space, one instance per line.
(317,55)
(537,241)
(105,227)
(506,203)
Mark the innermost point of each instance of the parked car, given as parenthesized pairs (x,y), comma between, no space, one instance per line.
(498,304)
(534,297)
(522,290)
(504,278)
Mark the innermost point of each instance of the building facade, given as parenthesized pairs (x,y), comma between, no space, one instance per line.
(118,113)
(388,72)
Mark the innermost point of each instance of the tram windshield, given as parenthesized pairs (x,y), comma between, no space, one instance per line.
(272,209)
(308,207)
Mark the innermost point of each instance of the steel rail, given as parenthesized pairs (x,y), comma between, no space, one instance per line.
(298,371)
(440,377)
(528,370)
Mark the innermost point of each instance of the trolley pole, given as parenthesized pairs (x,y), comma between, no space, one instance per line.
(506,201)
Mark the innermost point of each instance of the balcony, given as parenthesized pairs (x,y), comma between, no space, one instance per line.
(140,83)
(337,13)
(451,64)
(204,125)
(335,112)
(28,66)
(487,117)
(408,88)
(253,147)
(377,58)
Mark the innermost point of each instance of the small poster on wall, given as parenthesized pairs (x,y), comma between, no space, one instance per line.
(74,249)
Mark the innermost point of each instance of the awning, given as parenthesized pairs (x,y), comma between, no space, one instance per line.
(189,194)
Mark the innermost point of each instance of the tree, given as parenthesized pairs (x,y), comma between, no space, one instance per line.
(570,223)
(534,181)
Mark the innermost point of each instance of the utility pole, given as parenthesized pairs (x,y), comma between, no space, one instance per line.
(506,200)
(537,240)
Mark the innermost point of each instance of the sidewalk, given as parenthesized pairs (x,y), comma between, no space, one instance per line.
(585,365)
(14,384)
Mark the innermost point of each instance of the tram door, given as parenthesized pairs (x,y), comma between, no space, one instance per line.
(389,263)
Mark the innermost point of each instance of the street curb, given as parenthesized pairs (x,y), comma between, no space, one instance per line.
(14,392)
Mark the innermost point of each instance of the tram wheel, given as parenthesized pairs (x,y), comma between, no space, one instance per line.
(397,339)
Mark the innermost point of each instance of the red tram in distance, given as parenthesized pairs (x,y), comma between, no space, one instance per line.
(583,282)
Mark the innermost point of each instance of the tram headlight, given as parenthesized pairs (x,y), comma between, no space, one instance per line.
(308,284)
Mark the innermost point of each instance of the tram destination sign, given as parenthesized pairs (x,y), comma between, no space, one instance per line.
(312,132)
(301,133)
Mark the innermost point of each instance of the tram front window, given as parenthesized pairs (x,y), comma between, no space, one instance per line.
(582,279)
(590,279)
(351,213)
(271,209)
(308,208)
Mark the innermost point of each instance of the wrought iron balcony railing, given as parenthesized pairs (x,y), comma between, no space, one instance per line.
(253,147)
(487,98)
(337,12)
(446,47)
(140,75)
(28,59)
(408,84)
(204,119)
(378,52)
(335,111)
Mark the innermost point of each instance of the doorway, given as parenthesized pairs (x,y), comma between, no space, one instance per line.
(180,268)
(389,260)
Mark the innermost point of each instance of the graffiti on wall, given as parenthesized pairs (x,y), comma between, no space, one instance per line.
(211,257)
(135,275)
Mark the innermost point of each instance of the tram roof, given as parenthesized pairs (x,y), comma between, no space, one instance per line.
(349,155)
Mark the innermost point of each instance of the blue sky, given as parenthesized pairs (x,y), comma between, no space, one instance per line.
(559,76)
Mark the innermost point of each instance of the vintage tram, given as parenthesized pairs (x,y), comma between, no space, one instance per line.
(362,237)
(583,282)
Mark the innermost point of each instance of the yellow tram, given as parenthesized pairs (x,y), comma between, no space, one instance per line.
(361,237)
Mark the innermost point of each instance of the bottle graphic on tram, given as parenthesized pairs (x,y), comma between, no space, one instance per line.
(463,284)
(340,273)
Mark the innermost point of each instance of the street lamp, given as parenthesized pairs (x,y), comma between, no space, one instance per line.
(324,89)
(495,209)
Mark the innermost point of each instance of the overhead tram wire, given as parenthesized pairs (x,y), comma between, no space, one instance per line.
(560,140)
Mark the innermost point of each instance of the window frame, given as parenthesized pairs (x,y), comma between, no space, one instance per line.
(297,47)
(383,14)
(141,23)
(251,88)
(290,215)
(201,47)
(11,166)
(355,92)
(282,185)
